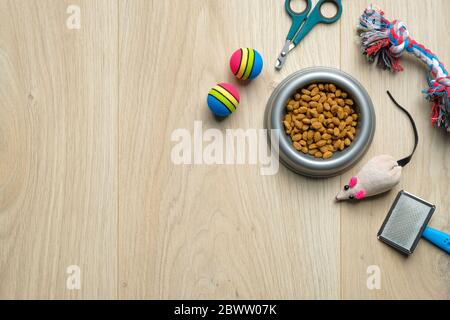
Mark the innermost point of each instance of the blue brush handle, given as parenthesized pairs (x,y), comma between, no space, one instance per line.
(438,238)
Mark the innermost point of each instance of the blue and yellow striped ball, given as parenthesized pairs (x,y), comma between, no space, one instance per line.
(246,64)
(223,99)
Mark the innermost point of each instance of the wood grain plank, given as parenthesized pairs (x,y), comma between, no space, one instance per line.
(58,149)
(219,231)
(425,274)
(86,118)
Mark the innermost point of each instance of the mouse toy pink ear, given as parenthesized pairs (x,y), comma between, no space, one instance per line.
(361,194)
(353,181)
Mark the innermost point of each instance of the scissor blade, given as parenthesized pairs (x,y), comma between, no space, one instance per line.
(282,57)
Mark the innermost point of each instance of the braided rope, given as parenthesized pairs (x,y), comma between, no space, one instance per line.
(385,42)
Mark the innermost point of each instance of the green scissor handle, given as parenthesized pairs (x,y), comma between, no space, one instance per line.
(298,32)
(297,17)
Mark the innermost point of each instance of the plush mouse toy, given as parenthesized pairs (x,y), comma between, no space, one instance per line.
(380,174)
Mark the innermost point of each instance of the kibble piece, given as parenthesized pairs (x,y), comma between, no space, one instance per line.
(349,120)
(303,109)
(323,98)
(350,135)
(306,91)
(324,149)
(347,142)
(297,145)
(332,87)
(327,155)
(326,136)
(312,86)
(305,135)
(316,98)
(322,118)
(317,136)
(306,98)
(306,121)
(320,108)
(347,109)
(287,124)
(313,104)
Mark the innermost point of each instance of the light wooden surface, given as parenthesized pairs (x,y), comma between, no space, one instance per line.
(86,177)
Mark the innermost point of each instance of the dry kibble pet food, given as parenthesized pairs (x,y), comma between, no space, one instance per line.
(321,119)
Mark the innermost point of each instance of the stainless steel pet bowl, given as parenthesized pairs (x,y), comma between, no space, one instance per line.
(341,161)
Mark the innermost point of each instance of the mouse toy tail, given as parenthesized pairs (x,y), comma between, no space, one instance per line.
(403,162)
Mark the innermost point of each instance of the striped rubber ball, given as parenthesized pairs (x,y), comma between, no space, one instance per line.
(246,63)
(223,99)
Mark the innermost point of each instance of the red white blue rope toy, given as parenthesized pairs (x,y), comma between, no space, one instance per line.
(385,42)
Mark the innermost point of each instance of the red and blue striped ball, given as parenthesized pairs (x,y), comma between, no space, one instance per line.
(223,99)
(246,64)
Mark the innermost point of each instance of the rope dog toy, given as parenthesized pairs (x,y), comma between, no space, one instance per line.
(385,42)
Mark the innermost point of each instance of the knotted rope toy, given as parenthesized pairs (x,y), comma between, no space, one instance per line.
(385,42)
